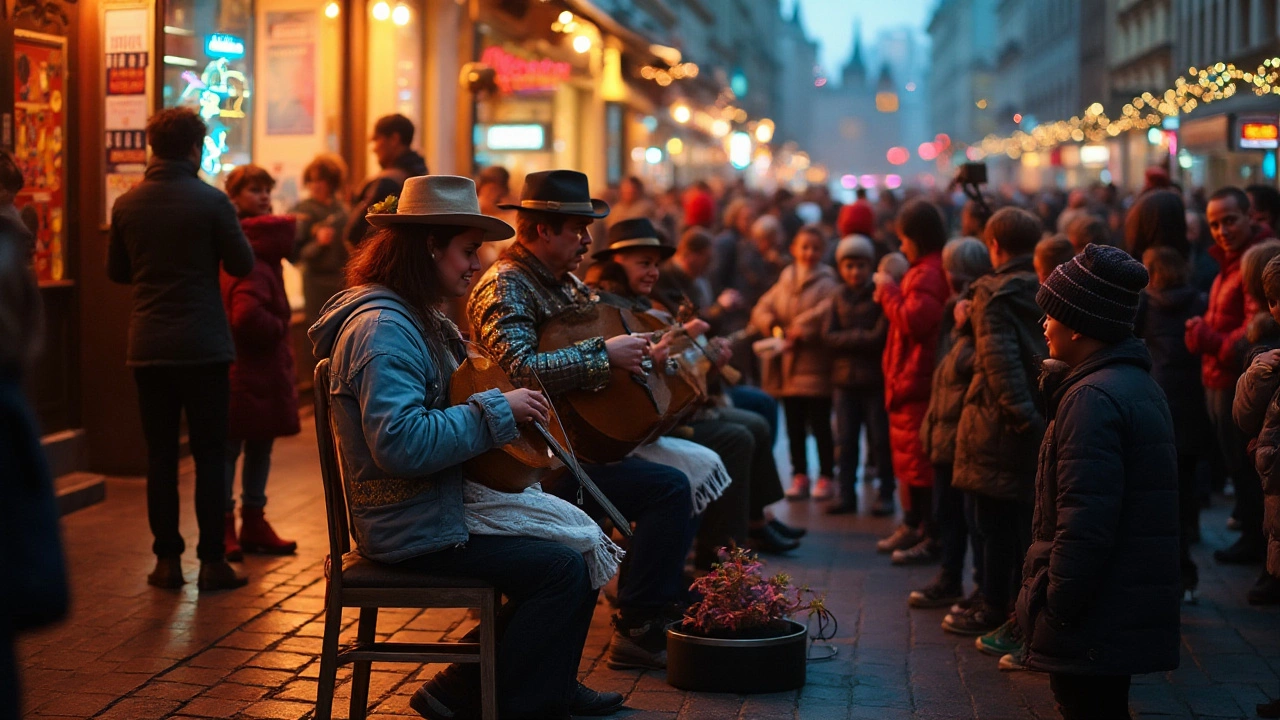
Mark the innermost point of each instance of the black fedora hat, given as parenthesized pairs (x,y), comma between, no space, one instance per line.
(634,234)
(563,192)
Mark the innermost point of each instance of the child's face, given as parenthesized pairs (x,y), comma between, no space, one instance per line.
(253,200)
(1042,268)
(855,272)
(807,249)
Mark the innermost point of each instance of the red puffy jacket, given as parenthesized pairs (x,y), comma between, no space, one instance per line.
(264,396)
(1218,340)
(915,315)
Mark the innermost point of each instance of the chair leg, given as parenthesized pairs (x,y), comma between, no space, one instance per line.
(360,676)
(488,657)
(328,657)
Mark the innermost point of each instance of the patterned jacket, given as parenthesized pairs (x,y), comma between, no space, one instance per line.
(509,306)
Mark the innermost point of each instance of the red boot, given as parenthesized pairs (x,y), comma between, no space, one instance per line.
(257,535)
(229,541)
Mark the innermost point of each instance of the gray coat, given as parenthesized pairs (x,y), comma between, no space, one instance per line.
(1002,421)
(168,237)
(1101,589)
(399,441)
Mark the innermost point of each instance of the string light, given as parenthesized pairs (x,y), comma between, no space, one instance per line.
(1198,87)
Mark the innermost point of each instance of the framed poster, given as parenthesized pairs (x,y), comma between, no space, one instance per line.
(127,101)
(40,140)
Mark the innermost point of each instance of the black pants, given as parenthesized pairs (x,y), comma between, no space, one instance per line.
(1091,697)
(1005,529)
(856,409)
(950,528)
(810,415)
(1188,508)
(164,392)
(1235,454)
(542,627)
(725,519)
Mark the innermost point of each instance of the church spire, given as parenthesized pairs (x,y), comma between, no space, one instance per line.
(855,71)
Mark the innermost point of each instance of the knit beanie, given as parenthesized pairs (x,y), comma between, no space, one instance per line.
(856,219)
(856,246)
(1095,293)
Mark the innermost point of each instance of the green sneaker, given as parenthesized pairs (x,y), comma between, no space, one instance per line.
(1014,662)
(1004,640)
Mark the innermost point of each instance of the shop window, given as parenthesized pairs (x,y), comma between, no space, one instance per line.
(208,66)
(395,63)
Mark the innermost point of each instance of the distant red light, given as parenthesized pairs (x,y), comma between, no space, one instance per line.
(898,155)
(927,151)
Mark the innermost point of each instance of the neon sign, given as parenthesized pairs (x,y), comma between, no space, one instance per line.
(1259,135)
(223,45)
(516,137)
(514,74)
(220,93)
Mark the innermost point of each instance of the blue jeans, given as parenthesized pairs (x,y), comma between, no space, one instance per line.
(541,629)
(253,473)
(658,500)
(757,401)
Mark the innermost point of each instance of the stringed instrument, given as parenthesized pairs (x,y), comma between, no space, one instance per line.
(607,424)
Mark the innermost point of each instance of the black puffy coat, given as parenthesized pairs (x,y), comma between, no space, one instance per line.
(855,330)
(1003,421)
(1162,319)
(1101,590)
(951,380)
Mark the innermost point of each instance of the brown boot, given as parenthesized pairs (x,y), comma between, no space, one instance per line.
(168,572)
(257,535)
(229,540)
(219,575)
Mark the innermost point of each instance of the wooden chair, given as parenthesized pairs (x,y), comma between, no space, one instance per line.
(355,581)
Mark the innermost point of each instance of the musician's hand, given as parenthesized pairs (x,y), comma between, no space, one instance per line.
(729,299)
(794,333)
(696,327)
(660,350)
(528,405)
(721,351)
(625,352)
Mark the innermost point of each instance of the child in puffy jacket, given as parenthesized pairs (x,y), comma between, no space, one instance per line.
(914,309)
(264,398)
(855,329)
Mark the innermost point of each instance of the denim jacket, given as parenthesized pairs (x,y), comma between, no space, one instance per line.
(400,444)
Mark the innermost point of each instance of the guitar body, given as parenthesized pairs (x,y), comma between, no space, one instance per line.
(519,464)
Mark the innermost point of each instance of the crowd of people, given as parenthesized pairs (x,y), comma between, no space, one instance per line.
(1052,386)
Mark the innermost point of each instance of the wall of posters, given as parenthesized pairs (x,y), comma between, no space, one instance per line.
(127,61)
(40,129)
(291,72)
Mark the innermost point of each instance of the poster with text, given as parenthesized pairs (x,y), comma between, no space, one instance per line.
(39,144)
(291,73)
(127,47)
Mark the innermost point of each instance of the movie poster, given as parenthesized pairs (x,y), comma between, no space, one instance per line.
(291,73)
(39,145)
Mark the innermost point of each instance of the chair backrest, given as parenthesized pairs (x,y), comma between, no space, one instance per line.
(335,499)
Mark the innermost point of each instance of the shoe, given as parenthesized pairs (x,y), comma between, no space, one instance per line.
(638,643)
(972,601)
(1014,662)
(882,508)
(924,552)
(977,621)
(823,489)
(219,576)
(168,572)
(430,707)
(939,593)
(767,540)
(230,543)
(1266,591)
(846,505)
(787,531)
(799,489)
(1190,581)
(257,535)
(593,703)
(1234,524)
(1243,552)
(1002,641)
(1269,709)
(901,539)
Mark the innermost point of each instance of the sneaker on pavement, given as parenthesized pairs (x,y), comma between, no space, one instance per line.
(922,553)
(787,531)
(972,601)
(1014,662)
(976,621)
(219,576)
(901,539)
(768,540)
(799,489)
(939,593)
(824,489)
(594,703)
(844,506)
(1002,641)
(168,572)
(638,643)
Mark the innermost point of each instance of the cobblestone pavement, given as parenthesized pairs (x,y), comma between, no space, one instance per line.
(133,652)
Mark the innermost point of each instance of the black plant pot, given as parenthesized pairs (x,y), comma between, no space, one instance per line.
(756,665)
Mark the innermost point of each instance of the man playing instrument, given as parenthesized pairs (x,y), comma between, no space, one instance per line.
(530,284)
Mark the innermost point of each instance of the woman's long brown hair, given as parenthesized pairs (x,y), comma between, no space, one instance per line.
(399,258)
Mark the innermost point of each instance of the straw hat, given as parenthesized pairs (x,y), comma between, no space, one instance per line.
(442,200)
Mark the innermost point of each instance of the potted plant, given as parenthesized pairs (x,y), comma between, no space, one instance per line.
(740,637)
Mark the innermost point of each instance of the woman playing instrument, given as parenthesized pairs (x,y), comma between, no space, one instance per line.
(401,446)
(626,273)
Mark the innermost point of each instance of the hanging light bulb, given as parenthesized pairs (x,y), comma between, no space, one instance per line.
(331,10)
(400,15)
(381,10)
(581,44)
